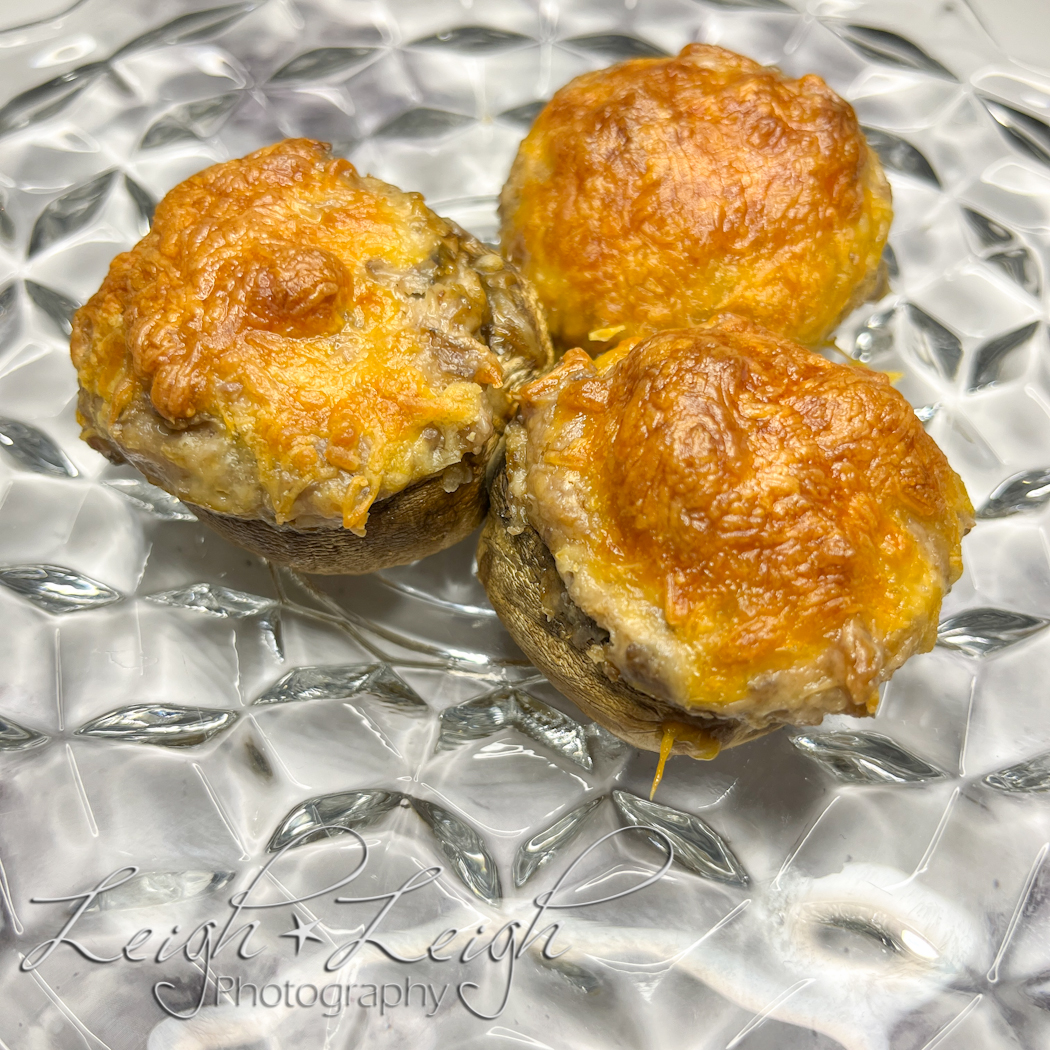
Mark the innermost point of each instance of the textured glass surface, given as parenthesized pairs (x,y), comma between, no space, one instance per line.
(366,769)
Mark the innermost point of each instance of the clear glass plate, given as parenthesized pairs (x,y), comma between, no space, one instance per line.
(175,717)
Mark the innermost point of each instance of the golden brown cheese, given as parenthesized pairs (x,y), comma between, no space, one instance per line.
(293,341)
(762,532)
(659,192)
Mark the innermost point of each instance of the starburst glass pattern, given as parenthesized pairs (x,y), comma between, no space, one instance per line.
(71,212)
(899,155)
(168,726)
(1032,135)
(324,816)
(189,718)
(149,498)
(696,845)
(464,848)
(56,589)
(14,737)
(544,846)
(1027,776)
(214,601)
(507,708)
(56,306)
(342,683)
(34,450)
(885,46)
(978,632)
(154,888)
(865,758)
(1029,490)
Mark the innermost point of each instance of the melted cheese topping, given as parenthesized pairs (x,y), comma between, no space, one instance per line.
(763,533)
(661,191)
(292,341)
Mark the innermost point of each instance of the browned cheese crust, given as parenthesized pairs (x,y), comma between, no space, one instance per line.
(312,358)
(757,535)
(659,192)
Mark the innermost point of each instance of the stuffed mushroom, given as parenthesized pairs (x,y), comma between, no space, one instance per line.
(661,191)
(707,534)
(312,359)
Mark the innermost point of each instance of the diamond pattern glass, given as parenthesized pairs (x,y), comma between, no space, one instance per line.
(244,809)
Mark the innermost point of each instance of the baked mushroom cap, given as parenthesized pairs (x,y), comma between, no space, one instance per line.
(311,358)
(661,191)
(715,531)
